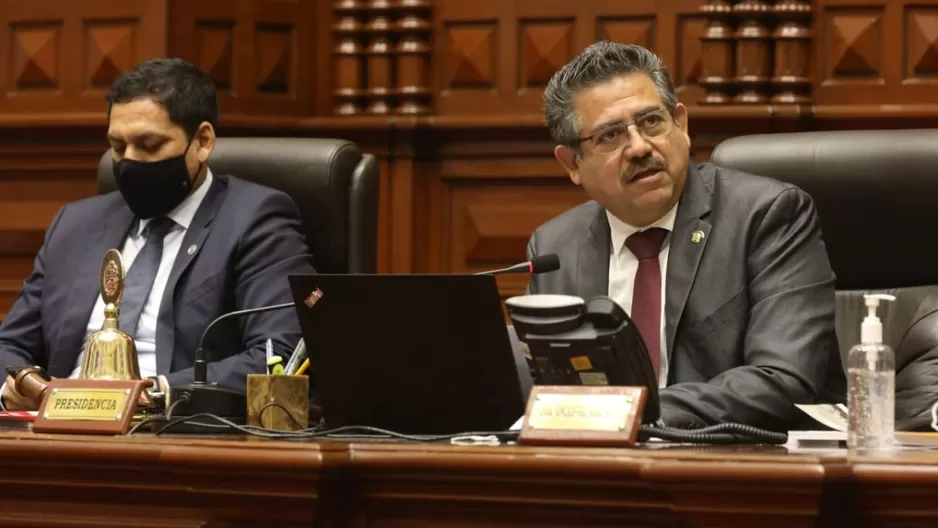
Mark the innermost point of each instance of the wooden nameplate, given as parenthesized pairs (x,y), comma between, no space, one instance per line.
(583,416)
(104,407)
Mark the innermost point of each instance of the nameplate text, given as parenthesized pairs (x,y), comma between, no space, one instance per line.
(583,415)
(89,406)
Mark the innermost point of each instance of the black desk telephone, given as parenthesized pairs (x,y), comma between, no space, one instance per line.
(575,342)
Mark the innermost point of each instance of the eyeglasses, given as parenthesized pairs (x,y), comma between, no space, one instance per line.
(610,138)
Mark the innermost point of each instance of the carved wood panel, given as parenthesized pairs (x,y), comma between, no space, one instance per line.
(37,176)
(259,52)
(876,53)
(497,55)
(61,55)
(491,214)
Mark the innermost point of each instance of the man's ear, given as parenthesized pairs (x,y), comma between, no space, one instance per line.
(205,136)
(680,117)
(570,161)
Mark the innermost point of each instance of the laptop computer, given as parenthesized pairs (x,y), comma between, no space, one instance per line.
(412,354)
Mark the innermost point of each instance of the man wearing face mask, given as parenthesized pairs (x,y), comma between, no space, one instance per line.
(724,274)
(195,245)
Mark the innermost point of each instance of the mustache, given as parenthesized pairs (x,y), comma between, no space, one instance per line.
(647,164)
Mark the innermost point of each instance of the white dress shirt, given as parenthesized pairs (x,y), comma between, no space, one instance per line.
(623,265)
(145,339)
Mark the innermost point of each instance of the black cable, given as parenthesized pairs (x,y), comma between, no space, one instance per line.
(169,414)
(139,424)
(348,432)
(183,399)
(260,413)
(725,433)
(728,433)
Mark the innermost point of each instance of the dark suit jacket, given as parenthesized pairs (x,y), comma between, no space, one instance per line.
(749,310)
(247,238)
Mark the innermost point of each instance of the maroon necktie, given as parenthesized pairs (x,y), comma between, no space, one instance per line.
(646,293)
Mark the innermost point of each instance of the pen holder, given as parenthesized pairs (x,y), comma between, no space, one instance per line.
(280,403)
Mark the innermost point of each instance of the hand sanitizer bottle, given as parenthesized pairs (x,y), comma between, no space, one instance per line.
(871,384)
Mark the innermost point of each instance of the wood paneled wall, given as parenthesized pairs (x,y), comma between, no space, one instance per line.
(445,92)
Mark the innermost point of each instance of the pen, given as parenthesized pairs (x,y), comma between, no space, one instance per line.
(296,358)
(302,368)
(270,355)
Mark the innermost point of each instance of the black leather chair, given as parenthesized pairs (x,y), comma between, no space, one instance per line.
(334,185)
(876,194)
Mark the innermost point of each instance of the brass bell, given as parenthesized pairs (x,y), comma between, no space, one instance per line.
(110,354)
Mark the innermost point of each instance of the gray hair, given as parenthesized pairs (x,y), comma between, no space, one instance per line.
(597,64)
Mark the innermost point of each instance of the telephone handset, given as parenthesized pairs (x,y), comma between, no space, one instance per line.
(574,342)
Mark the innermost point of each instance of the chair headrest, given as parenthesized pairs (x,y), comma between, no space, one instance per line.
(875,192)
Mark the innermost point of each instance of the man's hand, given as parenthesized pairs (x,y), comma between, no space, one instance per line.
(14,401)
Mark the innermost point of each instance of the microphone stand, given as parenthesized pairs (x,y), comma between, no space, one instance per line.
(537,265)
(202,397)
(524,267)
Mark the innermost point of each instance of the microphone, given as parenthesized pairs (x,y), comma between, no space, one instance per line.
(200,396)
(535,266)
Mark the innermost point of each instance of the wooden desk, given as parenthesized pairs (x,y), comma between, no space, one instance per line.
(141,481)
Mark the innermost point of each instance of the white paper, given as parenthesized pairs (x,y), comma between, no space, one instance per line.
(517,425)
(815,441)
(817,436)
(833,416)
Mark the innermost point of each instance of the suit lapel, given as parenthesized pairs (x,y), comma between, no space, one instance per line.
(86,287)
(688,241)
(191,246)
(592,264)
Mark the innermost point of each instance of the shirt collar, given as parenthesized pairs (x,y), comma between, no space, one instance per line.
(185,211)
(620,230)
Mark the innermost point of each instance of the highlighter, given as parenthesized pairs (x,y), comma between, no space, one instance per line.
(275,364)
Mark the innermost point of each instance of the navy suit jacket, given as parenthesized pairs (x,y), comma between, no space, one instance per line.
(247,239)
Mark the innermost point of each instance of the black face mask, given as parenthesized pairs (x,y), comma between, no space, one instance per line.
(153,188)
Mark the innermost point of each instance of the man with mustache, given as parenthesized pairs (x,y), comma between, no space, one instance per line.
(725,274)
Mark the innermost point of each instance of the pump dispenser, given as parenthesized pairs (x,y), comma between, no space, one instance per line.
(871,384)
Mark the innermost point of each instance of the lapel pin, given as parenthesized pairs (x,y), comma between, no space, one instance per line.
(697,236)
(192,249)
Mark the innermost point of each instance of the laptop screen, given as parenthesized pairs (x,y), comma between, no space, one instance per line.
(413,354)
